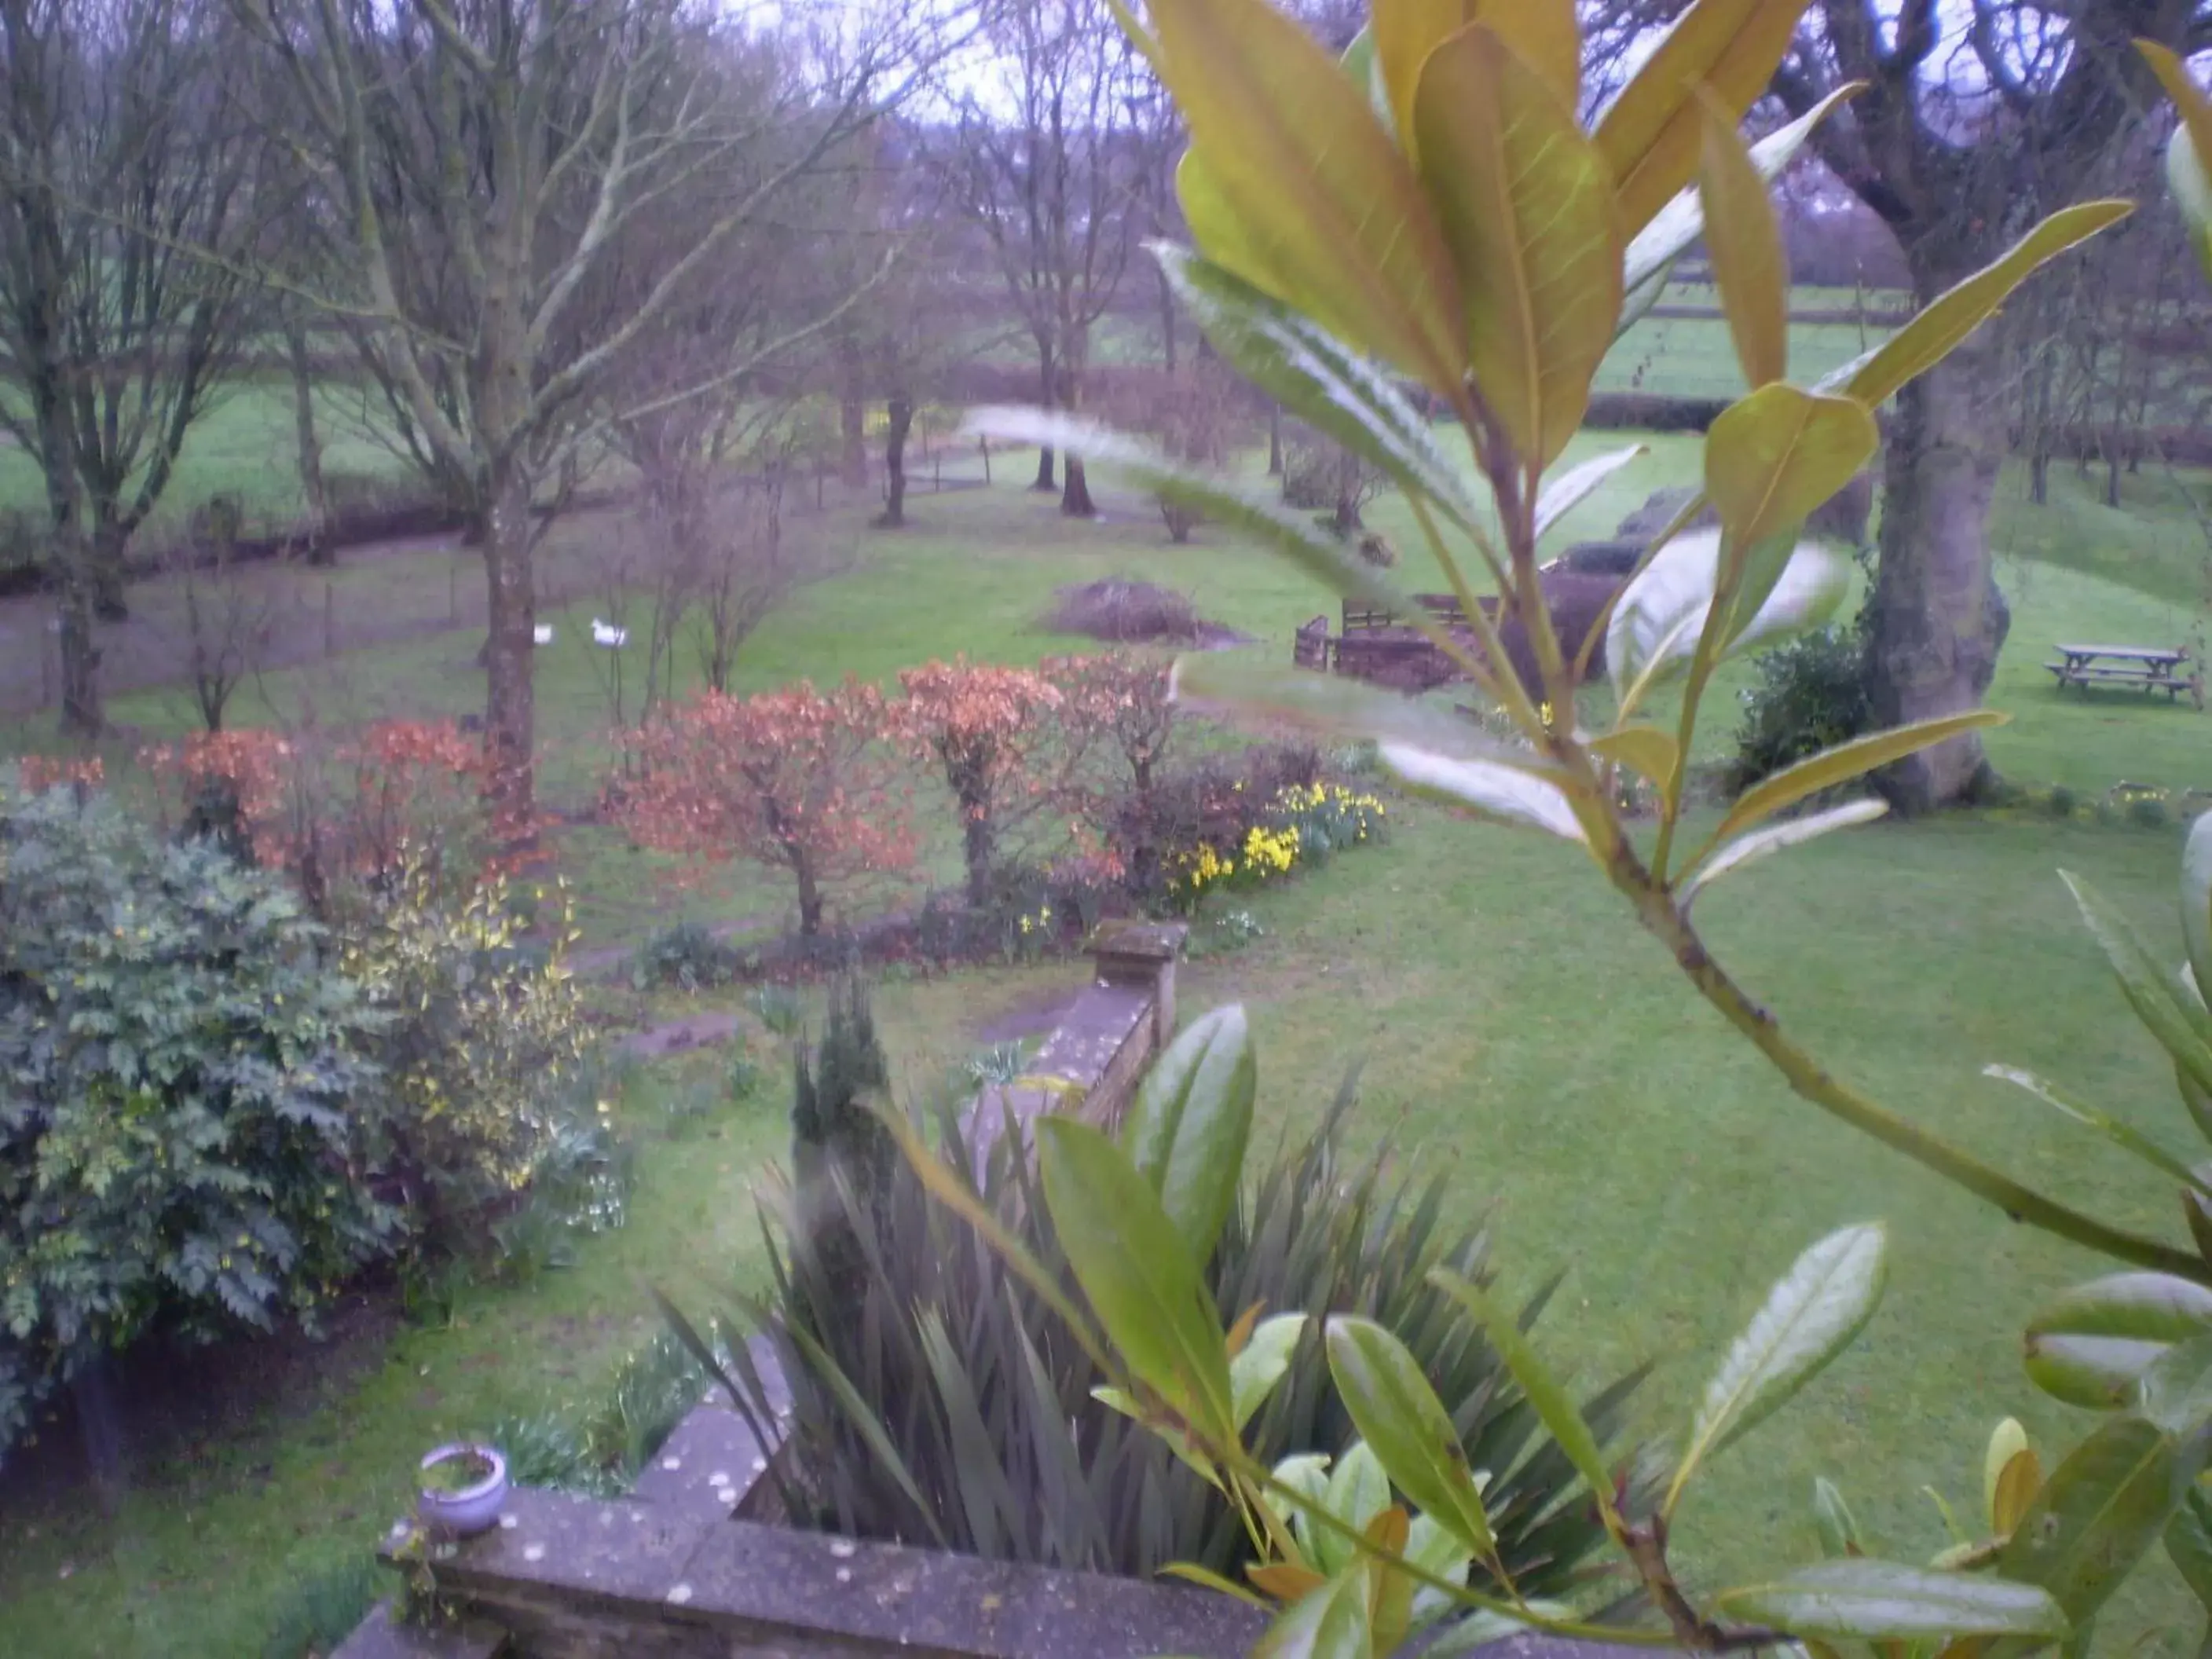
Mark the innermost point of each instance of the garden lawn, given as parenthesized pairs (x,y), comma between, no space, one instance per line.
(1516,1032)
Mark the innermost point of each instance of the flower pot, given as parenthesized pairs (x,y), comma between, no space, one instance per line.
(470,1509)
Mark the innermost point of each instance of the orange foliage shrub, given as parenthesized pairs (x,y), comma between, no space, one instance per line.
(37,774)
(328,811)
(994,733)
(799,780)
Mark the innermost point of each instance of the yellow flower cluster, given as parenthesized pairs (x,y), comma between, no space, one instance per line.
(1038,922)
(1271,852)
(1204,867)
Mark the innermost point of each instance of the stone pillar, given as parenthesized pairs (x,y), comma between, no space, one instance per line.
(1143,954)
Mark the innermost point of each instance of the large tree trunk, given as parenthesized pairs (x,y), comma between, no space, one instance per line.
(1275,440)
(510,705)
(1047,381)
(316,499)
(853,410)
(901,422)
(810,900)
(81,710)
(109,540)
(1075,490)
(1938,620)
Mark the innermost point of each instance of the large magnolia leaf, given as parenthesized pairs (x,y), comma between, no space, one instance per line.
(1333,221)
(1261,1364)
(2196,901)
(1528,213)
(1763,844)
(2121,1134)
(1864,1600)
(1553,1404)
(1317,378)
(1832,1520)
(1406,1427)
(1650,134)
(2090,1345)
(2189,1543)
(2152,994)
(1745,246)
(1846,761)
(1809,1317)
(1140,1277)
(1658,617)
(1186,1128)
(1543,33)
(1567,491)
(2175,1390)
(1510,794)
(2189,152)
(1653,251)
(2101,1510)
(1770,458)
(1931,337)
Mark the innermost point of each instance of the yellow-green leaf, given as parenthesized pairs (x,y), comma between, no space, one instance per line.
(1765,843)
(2018,1482)
(1405,1426)
(1543,32)
(1931,337)
(1646,750)
(1650,134)
(1847,761)
(2007,1441)
(1329,1623)
(1332,219)
(2189,99)
(1745,246)
(1528,213)
(1774,456)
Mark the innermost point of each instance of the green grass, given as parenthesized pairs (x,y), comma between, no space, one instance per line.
(1517,1031)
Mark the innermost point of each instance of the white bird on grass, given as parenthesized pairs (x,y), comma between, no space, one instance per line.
(543,633)
(613,638)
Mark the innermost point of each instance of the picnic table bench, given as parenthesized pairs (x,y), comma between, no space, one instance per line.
(2154,668)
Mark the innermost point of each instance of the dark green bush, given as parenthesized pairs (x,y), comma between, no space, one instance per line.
(938,1399)
(176,1075)
(1811,694)
(686,956)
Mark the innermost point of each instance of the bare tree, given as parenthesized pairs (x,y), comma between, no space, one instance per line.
(122,159)
(226,618)
(1055,185)
(482,164)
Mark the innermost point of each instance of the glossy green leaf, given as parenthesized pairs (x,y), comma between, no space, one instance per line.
(1341,708)
(1834,1521)
(1333,219)
(1317,378)
(1809,1318)
(1650,134)
(2123,1135)
(1406,1427)
(1510,794)
(1770,458)
(2096,1373)
(1526,211)
(2146,1306)
(2196,901)
(1330,1623)
(1553,1404)
(1186,1130)
(1319,556)
(1257,1367)
(2097,1514)
(1646,750)
(1139,1275)
(1653,249)
(1561,494)
(2149,992)
(1845,761)
(1865,1599)
(2175,1390)
(1763,844)
(1931,335)
(2189,1543)
(1744,244)
(2189,152)
(1658,618)
(1365,69)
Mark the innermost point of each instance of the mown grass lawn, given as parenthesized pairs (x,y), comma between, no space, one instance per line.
(1517,1033)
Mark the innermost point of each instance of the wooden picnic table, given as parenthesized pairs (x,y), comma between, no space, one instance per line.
(2154,668)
